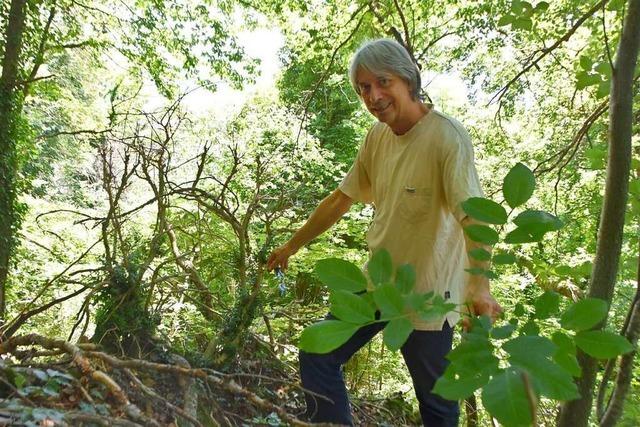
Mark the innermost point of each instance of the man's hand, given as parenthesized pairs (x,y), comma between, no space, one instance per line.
(481,302)
(279,258)
(330,210)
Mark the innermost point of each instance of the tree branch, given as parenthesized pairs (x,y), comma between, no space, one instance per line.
(544,52)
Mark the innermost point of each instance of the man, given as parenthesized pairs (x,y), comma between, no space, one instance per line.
(416,167)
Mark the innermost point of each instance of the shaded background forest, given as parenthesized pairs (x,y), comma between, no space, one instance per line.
(148,169)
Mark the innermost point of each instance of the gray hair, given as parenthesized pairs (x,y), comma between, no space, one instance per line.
(386,56)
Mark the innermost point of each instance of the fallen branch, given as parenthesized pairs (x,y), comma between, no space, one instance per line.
(153,394)
(83,364)
(227,384)
(81,359)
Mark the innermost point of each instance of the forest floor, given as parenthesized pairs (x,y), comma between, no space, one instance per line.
(48,382)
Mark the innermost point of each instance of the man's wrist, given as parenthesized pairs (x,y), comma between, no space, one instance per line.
(291,247)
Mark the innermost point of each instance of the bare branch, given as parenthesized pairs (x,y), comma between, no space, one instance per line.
(544,52)
(77,132)
(4,330)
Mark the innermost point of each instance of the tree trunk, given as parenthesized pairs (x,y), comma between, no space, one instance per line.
(625,373)
(605,267)
(10,109)
(223,349)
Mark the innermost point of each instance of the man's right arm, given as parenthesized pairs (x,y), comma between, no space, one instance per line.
(328,212)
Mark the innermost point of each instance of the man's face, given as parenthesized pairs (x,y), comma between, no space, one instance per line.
(386,96)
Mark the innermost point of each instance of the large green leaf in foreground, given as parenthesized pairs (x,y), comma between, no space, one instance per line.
(482,234)
(584,314)
(484,210)
(380,267)
(602,344)
(326,335)
(505,397)
(518,185)
(396,332)
(339,274)
(351,308)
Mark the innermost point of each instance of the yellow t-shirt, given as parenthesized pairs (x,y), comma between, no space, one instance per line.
(417,182)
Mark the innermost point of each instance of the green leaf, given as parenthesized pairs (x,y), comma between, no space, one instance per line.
(482,234)
(530,328)
(351,308)
(518,310)
(518,185)
(634,187)
(405,278)
(523,235)
(597,156)
(480,254)
(389,300)
(586,79)
(396,332)
(480,326)
(19,380)
(436,309)
(604,88)
(532,226)
(416,301)
(541,7)
(563,342)
(506,20)
(532,354)
(538,221)
(452,386)
(504,258)
(380,267)
(565,355)
(338,274)
(547,305)
(482,272)
(503,332)
(522,23)
(604,69)
(472,357)
(485,210)
(563,270)
(529,346)
(517,7)
(505,398)
(325,336)
(490,275)
(584,314)
(586,63)
(568,362)
(602,344)
(527,8)
(616,4)
(549,379)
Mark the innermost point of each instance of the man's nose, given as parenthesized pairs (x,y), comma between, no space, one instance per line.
(375,94)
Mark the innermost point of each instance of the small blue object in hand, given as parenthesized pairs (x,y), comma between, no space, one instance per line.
(282,286)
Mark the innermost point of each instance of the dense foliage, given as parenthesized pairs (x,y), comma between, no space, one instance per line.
(135,221)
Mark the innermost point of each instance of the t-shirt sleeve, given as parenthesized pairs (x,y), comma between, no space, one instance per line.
(357,184)
(460,177)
